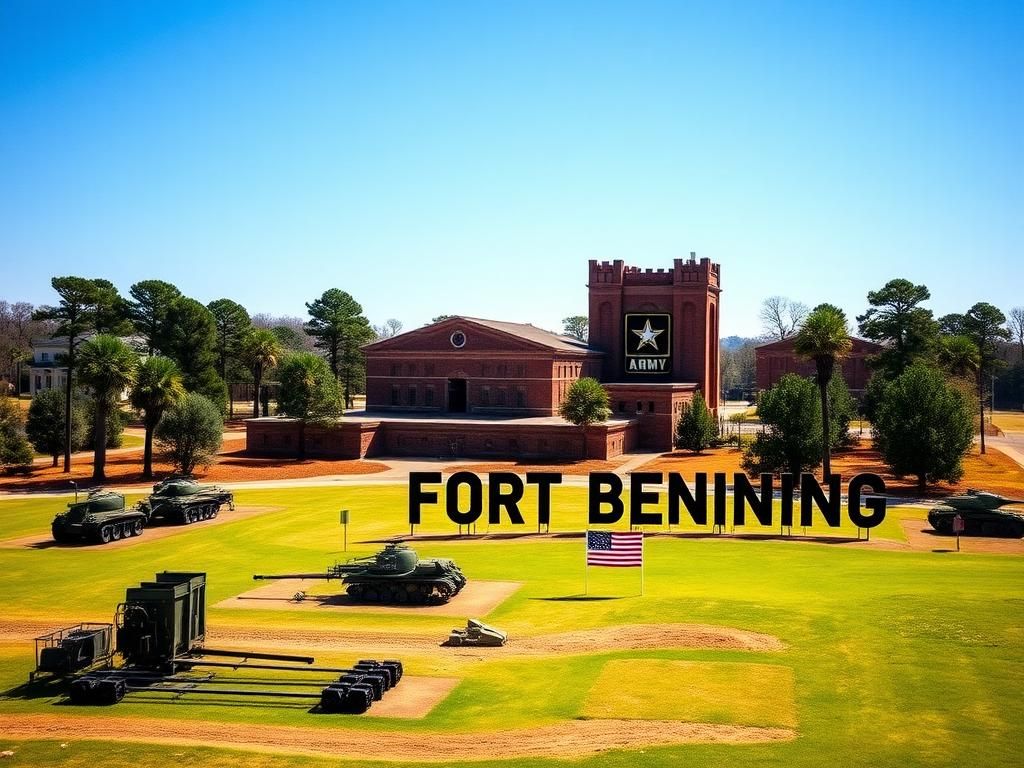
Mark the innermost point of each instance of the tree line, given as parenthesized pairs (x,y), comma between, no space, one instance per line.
(174,357)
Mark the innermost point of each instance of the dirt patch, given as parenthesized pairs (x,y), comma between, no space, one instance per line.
(45,540)
(232,465)
(414,697)
(477,598)
(574,738)
(923,538)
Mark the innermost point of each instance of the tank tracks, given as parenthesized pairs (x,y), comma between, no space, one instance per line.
(434,592)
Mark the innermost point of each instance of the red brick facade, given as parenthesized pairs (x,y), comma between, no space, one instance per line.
(777,358)
(467,386)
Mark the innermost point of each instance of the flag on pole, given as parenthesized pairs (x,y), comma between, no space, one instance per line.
(615,549)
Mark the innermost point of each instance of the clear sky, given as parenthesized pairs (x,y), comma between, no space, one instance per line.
(469,158)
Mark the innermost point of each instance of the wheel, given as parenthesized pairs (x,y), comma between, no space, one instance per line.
(126,530)
(137,528)
(214,511)
(115,532)
(105,534)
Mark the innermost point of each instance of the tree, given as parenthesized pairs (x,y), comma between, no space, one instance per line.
(191,336)
(841,410)
(45,424)
(231,322)
(309,393)
(17,329)
(790,440)
(108,367)
(81,303)
(781,316)
(696,427)
(260,351)
(738,368)
(577,326)
(152,301)
(289,338)
(439,318)
(190,433)
(923,426)
(158,388)
(14,448)
(1015,325)
(336,322)
(958,356)
(983,324)
(585,403)
(897,320)
(823,338)
(391,327)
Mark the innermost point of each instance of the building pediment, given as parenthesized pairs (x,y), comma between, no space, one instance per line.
(475,335)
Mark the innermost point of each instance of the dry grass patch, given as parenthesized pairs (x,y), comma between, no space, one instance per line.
(729,693)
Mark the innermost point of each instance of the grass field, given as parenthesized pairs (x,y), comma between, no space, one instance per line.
(892,657)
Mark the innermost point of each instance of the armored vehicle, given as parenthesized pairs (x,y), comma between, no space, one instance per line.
(982,515)
(182,500)
(477,633)
(101,518)
(394,576)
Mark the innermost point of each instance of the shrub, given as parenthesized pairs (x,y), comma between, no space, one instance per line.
(190,433)
(696,428)
(791,437)
(45,425)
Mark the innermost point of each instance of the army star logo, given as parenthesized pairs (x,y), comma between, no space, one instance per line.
(648,336)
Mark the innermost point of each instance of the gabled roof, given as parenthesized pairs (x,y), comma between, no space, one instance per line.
(523,331)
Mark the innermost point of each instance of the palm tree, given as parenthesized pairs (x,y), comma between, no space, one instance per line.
(157,389)
(824,339)
(260,351)
(108,367)
(585,403)
(958,356)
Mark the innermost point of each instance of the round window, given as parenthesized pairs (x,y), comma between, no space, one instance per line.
(458,339)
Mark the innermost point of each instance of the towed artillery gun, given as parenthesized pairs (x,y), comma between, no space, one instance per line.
(982,514)
(477,634)
(160,630)
(394,576)
(103,516)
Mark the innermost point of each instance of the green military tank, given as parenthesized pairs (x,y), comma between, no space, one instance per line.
(982,514)
(181,500)
(394,576)
(100,519)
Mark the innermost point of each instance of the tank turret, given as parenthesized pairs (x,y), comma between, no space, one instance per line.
(982,514)
(394,576)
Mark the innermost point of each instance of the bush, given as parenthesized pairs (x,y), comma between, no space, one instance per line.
(696,428)
(923,426)
(586,402)
(14,448)
(190,433)
(116,421)
(842,410)
(791,419)
(45,425)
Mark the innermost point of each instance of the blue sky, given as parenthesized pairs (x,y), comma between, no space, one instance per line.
(470,158)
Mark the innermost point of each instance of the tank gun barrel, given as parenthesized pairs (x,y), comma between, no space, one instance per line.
(272,576)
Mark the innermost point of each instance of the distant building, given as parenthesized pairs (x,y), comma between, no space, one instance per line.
(465,386)
(47,371)
(777,358)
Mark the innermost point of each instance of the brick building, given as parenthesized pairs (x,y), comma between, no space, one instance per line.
(777,358)
(467,386)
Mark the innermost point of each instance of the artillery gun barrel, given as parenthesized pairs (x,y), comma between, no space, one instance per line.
(254,655)
(189,662)
(266,576)
(179,689)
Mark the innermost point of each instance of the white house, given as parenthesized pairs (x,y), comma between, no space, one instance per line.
(46,370)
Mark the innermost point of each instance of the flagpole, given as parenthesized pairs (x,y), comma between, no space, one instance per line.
(586,562)
(642,558)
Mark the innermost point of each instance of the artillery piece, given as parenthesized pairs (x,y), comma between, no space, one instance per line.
(982,514)
(160,631)
(394,576)
(100,519)
(182,500)
(478,634)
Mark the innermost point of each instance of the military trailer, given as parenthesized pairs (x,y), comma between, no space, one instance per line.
(159,632)
(394,576)
(981,513)
(181,500)
(100,519)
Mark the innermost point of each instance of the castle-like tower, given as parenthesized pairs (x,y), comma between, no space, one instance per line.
(633,310)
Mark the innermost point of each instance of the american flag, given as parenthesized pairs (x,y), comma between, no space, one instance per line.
(615,549)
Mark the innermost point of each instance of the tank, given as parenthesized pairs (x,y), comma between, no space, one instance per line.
(181,500)
(394,576)
(982,514)
(478,634)
(100,519)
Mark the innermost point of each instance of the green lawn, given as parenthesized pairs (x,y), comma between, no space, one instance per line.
(894,658)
